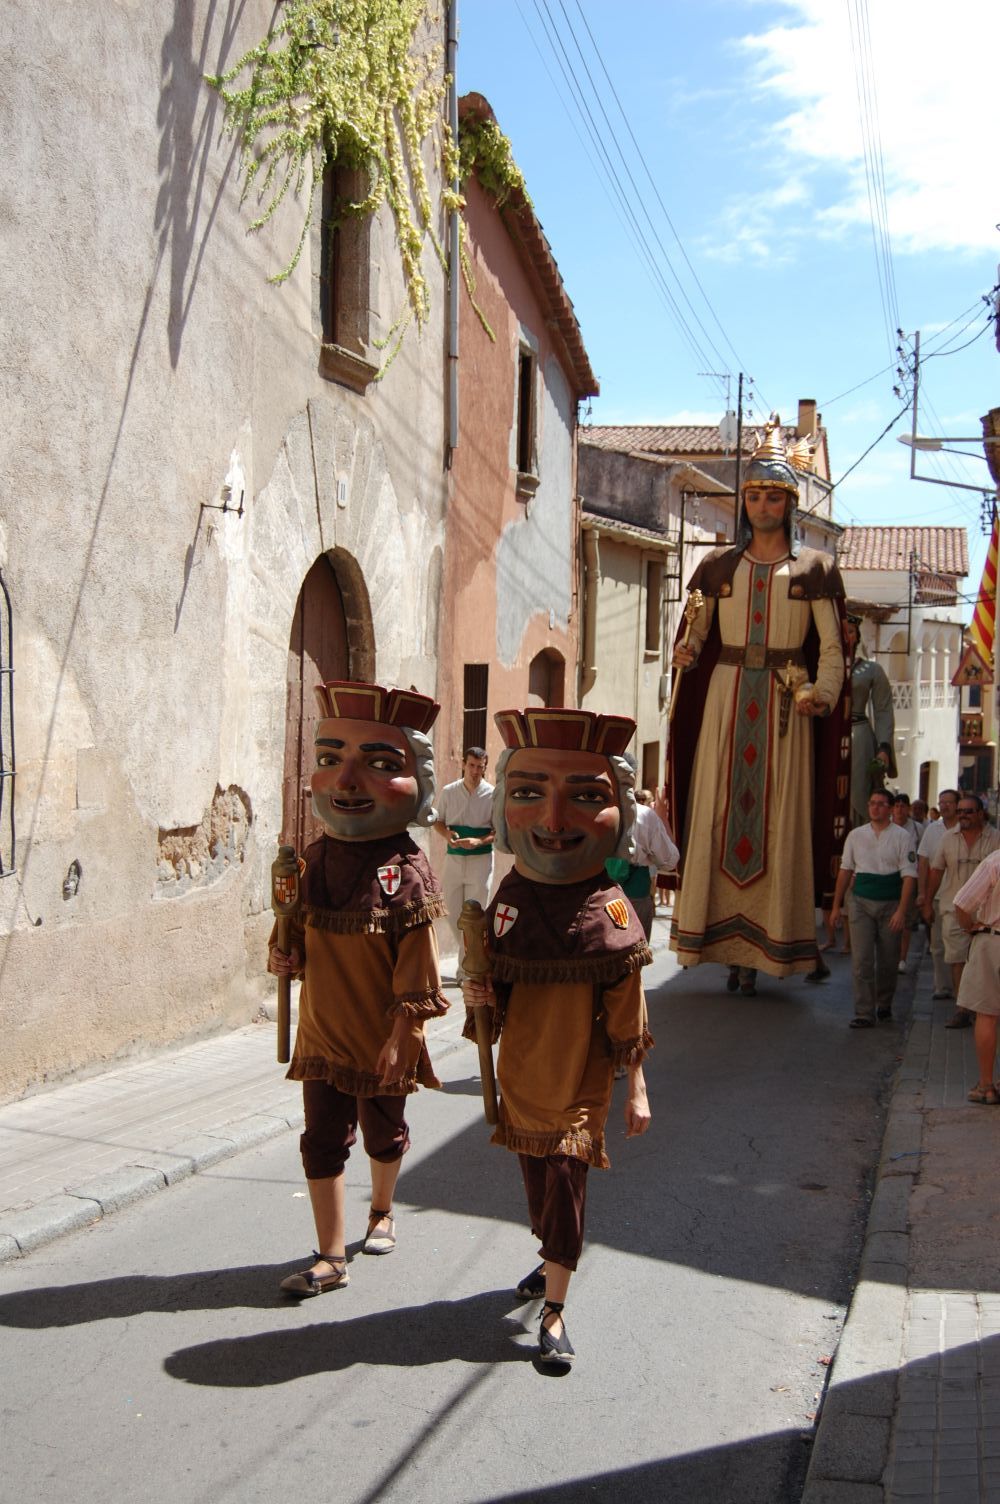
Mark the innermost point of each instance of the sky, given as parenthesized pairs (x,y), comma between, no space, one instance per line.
(772,188)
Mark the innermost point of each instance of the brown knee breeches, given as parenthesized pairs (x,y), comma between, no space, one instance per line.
(557,1193)
(332,1119)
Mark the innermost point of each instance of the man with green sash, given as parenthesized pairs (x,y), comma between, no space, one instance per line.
(465,819)
(880,860)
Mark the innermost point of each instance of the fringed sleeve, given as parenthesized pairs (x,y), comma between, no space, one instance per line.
(624,1007)
(416,977)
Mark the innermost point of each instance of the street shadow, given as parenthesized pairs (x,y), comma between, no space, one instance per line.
(188,114)
(478,1329)
(768,1114)
(766,1470)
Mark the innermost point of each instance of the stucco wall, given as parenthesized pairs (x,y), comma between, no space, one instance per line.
(509,584)
(146,361)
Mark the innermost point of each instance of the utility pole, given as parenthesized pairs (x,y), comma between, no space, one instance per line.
(739,455)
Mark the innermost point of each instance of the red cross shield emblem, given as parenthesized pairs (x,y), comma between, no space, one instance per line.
(617,911)
(388,878)
(503,918)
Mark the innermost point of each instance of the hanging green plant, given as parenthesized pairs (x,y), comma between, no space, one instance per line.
(340,82)
(483,149)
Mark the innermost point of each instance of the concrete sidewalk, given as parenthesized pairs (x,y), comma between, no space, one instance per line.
(79,1152)
(912,1410)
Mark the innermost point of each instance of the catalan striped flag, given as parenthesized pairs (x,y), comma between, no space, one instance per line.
(984,618)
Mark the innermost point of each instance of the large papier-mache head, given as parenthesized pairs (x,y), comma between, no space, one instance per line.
(559,736)
(770,466)
(373,718)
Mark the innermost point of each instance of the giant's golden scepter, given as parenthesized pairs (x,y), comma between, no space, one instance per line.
(695,602)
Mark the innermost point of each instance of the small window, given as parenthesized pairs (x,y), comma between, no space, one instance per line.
(527,463)
(477,678)
(345,294)
(651,765)
(975,696)
(654,604)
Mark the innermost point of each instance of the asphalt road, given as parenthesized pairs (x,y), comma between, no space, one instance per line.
(149,1358)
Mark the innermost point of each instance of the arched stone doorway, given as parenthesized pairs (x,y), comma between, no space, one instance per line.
(331,638)
(547,678)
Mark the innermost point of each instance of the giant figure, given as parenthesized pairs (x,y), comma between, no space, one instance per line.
(759,752)
(873,723)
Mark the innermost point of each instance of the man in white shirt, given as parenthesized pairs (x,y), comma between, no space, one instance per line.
(880,861)
(977,910)
(465,819)
(931,839)
(654,848)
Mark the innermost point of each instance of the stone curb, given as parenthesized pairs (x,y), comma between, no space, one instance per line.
(22,1232)
(851,1450)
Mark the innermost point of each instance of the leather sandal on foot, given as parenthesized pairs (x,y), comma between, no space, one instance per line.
(984,1096)
(733,979)
(861,1023)
(532,1286)
(557,1350)
(380,1242)
(960,1019)
(306,1282)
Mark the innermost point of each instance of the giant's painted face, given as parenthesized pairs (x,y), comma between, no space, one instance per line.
(364,784)
(562,813)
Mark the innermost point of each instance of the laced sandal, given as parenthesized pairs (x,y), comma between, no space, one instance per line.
(307,1282)
(380,1242)
(984,1096)
(532,1286)
(553,1349)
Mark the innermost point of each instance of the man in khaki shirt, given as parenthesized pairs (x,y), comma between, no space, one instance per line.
(957,858)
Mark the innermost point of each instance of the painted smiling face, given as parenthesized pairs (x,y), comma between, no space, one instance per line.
(562,814)
(364,784)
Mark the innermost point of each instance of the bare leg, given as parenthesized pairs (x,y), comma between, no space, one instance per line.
(327,1197)
(986,1047)
(384,1177)
(557,1278)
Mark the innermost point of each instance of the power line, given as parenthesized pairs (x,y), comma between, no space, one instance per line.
(741,364)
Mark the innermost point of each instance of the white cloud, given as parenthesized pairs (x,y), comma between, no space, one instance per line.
(935,84)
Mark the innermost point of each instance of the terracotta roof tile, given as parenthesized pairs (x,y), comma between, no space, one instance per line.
(939,550)
(663,439)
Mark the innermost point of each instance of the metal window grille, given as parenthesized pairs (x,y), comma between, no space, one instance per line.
(477,678)
(7,830)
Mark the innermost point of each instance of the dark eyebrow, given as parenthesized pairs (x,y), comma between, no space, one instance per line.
(331,741)
(570,778)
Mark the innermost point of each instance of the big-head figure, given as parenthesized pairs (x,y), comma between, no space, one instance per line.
(566,992)
(366,951)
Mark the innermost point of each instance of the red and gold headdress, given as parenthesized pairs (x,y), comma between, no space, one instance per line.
(350,700)
(569,730)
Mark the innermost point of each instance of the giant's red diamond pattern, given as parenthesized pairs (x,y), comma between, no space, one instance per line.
(743,850)
(747,801)
(753,711)
(750,754)
(758,617)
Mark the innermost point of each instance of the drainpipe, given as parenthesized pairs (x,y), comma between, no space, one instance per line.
(453,241)
(591,580)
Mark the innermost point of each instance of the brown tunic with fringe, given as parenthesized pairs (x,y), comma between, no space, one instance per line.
(570,1008)
(369,956)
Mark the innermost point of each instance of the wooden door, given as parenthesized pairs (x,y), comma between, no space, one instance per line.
(317,650)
